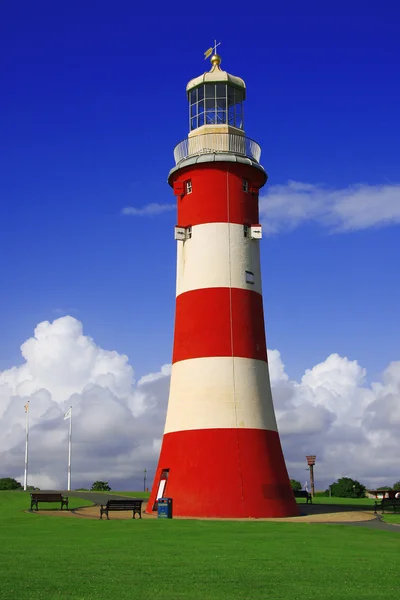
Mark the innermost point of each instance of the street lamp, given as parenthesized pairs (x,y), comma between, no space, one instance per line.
(144,479)
(311,463)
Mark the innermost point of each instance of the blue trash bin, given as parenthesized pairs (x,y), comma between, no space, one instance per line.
(164,510)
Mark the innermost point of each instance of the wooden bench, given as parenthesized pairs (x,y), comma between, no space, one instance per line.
(388,503)
(303,494)
(36,498)
(135,505)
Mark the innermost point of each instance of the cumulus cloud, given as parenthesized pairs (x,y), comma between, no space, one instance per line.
(149,210)
(353,427)
(117,422)
(287,206)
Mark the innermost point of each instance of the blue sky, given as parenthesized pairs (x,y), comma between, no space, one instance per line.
(93,103)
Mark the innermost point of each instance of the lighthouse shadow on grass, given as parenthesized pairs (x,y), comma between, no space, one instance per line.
(340,505)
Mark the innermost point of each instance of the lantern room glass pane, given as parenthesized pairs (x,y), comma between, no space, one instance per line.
(239,118)
(231,96)
(210,90)
(218,103)
(220,90)
(221,117)
(238,96)
(210,117)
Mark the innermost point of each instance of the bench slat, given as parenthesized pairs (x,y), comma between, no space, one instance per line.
(392,503)
(118,505)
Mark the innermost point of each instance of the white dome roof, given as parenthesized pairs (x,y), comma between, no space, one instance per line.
(216,75)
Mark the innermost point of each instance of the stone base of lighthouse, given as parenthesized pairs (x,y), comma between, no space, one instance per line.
(224,473)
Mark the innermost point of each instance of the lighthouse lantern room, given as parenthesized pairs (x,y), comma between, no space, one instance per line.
(221,454)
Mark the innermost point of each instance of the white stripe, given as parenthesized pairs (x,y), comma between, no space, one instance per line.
(217,255)
(220,392)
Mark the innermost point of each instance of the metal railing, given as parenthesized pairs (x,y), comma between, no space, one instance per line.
(208,143)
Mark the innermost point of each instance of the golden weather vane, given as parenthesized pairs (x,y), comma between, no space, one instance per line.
(212,49)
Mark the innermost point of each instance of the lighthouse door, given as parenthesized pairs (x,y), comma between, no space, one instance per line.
(161,487)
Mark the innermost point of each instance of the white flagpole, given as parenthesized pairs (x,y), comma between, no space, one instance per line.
(69,449)
(26,445)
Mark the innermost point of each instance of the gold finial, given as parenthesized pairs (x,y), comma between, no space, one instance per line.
(216,60)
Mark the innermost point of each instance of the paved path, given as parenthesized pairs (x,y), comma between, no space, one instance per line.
(306,509)
(376,523)
(373,524)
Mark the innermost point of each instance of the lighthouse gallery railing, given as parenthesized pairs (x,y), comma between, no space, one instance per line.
(207,143)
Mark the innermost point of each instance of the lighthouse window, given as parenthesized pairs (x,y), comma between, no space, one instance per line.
(189,186)
(216,104)
(245,185)
(249,277)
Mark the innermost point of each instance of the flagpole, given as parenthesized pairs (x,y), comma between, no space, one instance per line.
(69,450)
(26,445)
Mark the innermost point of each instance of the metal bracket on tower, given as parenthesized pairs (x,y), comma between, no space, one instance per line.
(253,232)
(183,233)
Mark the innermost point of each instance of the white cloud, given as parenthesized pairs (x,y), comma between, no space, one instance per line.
(117,423)
(287,206)
(352,427)
(149,210)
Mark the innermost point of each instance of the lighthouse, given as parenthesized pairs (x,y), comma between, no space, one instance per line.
(221,454)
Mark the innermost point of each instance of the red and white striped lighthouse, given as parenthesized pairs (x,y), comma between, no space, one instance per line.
(221,454)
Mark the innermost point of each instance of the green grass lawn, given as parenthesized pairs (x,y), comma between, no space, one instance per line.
(391,518)
(72,503)
(131,494)
(45,557)
(361,502)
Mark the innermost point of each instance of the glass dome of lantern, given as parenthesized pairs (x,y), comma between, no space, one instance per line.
(216,98)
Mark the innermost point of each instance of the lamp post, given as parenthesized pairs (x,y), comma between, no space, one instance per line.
(144,479)
(311,463)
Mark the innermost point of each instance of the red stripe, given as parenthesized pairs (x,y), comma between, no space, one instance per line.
(229,473)
(217,194)
(203,324)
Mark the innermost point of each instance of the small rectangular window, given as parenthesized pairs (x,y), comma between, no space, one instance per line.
(245,185)
(189,186)
(249,277)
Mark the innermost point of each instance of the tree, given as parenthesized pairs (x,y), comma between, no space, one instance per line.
(345,487)
(396,486)
(7,483)
(100,486)
(384,488)
(296,485)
